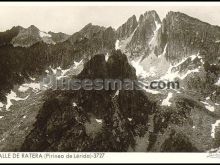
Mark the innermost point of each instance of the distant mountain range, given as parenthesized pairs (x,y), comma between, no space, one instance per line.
(177,48)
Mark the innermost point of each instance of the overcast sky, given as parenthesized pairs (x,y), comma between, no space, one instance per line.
(69,19)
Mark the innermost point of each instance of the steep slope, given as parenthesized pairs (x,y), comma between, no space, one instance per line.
(125,30)
(135,36)
(185,36)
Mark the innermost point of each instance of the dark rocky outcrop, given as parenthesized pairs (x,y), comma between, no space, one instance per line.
(60,126)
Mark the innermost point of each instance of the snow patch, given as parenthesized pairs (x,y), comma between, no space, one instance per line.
(149,90)
(130,119)
(76,64)
(152,91)
(53,70)
(59,72)
(99,121)
(34,86)
(74,104)
(208,106)
(171,75)
(13,96)
(44,34)
(213,128)
(188,72)
(106,57)
(153,40)
(1,117)
(164,52)
(166,102)
(193,57)
(32,78)
(116,93)
(207,98)
(117,47)
(23,88)
(140,72)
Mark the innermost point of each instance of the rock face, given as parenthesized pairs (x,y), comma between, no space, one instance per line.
(127,28)
(135,37)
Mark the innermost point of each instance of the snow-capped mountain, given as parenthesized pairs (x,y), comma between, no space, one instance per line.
(178,48)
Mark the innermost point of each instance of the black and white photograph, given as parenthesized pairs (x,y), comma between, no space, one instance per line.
(111,77)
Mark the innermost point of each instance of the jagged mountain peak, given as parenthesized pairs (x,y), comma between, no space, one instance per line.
(185,35)
(17,27)
(152,14)
(87,31)
(149,15)
(127,28)
(132,19)
(92,27)
(177,16)
(33,28)
(117,67)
